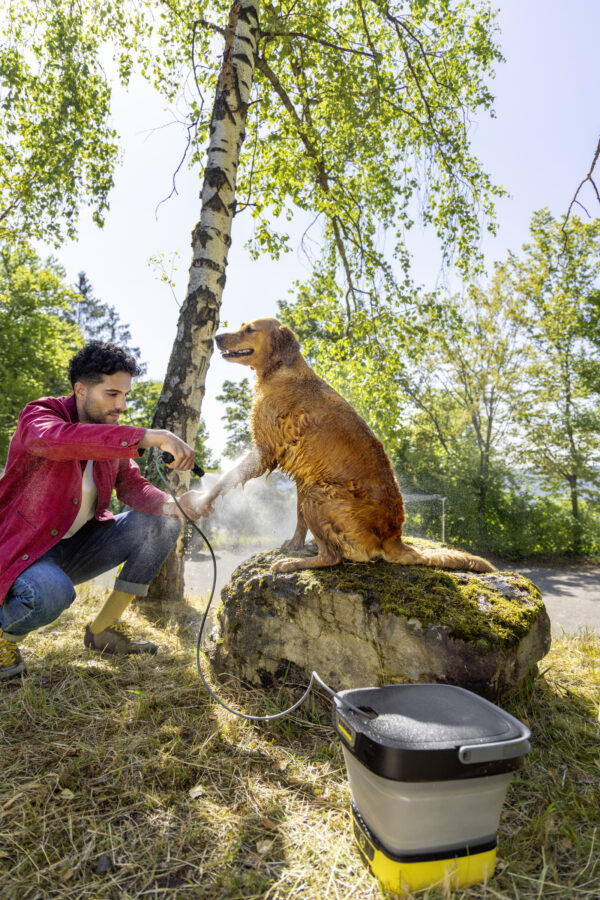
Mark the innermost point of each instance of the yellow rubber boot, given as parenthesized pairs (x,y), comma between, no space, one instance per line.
(116,604)
(108,635)
(11,661)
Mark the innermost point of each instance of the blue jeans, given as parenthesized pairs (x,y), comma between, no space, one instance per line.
(139,540)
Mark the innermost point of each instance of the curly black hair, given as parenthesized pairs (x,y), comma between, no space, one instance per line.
(97,359)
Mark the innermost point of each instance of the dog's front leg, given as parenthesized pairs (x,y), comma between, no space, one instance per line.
(251,466)
(296,542)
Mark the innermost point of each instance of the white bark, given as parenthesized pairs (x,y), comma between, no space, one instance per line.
(184,386)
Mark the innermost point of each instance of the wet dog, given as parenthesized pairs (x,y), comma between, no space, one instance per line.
(348,495)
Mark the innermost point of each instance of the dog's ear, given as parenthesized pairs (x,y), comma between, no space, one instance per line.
(285,345)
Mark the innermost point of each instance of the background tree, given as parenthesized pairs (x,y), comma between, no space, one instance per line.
(463,395)
(57,148)
(556,283)
(503,411)
(36,340)
(202,451)
(141,402)
(590,326)
(99,321)
(237,398)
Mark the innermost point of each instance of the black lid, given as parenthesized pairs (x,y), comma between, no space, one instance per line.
(429,732)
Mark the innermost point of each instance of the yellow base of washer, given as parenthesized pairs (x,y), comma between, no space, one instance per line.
(403,877)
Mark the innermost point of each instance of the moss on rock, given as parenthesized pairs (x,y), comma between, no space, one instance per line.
(492,611)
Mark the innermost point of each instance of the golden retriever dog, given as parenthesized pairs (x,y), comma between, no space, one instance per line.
(348,495)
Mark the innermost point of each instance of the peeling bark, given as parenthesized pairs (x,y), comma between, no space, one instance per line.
(184,386)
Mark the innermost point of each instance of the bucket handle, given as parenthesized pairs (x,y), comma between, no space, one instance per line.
(481,753)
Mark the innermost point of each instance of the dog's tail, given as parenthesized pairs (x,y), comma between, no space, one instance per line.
(395,550)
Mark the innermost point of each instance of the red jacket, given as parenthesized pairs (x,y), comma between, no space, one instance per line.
(40,490)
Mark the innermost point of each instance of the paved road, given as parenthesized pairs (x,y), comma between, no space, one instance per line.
(571,593)
(199,573)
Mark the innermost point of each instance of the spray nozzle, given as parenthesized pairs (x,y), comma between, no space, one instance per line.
(168,458)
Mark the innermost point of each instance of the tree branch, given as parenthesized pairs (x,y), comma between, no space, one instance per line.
(424,55)
(193,51)
(316,40)
(190,129)
(589,178)
(210,26)
(429,114)
(262,66)
(245,205)
(10,208)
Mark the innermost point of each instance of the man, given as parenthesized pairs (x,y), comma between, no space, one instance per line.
(65,457)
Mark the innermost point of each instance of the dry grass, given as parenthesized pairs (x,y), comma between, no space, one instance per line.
(122,779)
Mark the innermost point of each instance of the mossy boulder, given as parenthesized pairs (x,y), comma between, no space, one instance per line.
(361,624)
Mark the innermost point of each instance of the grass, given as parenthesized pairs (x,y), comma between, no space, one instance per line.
(121,778)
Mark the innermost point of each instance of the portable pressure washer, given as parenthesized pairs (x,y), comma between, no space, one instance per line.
(429,766)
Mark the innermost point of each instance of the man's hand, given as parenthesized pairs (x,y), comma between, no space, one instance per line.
(182,453)
(194,503)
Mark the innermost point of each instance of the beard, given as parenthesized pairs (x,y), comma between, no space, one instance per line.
(98,416)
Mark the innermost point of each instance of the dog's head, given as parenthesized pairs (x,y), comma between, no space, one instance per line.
(263,345)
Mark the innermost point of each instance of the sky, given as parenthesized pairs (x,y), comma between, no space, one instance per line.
(538,147)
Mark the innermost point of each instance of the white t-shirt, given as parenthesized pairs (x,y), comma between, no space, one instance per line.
(89,498)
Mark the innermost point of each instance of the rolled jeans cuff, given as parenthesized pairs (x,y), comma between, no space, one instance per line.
(131,587)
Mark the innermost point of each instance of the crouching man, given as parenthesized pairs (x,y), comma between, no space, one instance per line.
(65,457)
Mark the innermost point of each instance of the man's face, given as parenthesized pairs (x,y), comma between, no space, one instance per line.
(103,403)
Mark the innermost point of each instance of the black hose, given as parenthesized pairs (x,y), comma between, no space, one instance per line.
(314,676)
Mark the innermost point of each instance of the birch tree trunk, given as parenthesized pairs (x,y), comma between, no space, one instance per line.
(184,386)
